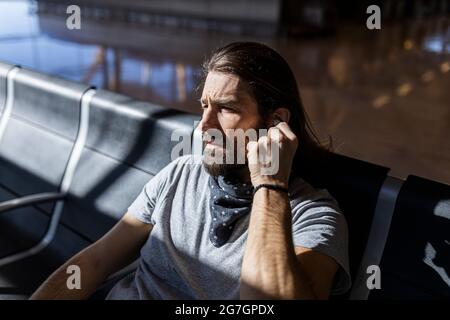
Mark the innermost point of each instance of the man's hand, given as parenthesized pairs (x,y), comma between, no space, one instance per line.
(274,151)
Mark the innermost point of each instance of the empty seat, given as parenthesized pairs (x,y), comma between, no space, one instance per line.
(416,259)
(34,151)
(355,184)
(128,142)
(40,133)
(35,148)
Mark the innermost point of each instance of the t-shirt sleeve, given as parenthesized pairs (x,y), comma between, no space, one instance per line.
(319,225)
(143,206)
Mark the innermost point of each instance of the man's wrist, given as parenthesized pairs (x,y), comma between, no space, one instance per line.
(271,186)
(270,180)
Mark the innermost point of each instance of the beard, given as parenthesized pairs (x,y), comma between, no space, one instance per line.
(223,169)
(226,170)
(237,167)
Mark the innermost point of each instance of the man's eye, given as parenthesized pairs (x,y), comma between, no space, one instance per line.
(226,109)
(204,106)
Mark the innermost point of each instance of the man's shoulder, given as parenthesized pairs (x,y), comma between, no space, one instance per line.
(181,166)
(187,163)
(177,172)
(188,159)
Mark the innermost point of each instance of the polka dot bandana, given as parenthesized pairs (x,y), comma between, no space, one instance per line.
(230,200)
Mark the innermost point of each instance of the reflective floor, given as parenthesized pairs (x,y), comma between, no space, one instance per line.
(384,96)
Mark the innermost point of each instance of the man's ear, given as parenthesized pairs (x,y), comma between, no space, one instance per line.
(281,114)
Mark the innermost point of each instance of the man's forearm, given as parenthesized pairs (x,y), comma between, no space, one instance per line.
(270,268)
(55,287)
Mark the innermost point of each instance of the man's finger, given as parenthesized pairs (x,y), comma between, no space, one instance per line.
(252,152)
(275,134)
(263,150)
(286,130)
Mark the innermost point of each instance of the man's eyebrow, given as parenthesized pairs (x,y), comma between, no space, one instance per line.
(221,101)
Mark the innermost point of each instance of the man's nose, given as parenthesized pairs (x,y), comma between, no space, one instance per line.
(208,121)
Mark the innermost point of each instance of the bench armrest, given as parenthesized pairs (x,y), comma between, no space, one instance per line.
(30,200)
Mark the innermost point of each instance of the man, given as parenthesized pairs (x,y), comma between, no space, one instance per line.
(206,229)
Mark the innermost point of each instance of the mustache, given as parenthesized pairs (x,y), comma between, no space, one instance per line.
(222,142)
(214,139)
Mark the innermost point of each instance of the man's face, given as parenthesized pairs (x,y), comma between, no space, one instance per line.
(227,105)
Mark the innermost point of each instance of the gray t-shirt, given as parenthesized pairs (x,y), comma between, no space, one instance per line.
(178,261)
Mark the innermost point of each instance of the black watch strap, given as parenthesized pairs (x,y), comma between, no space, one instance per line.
(270,186)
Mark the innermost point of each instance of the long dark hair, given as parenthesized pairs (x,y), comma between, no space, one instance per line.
(273,85)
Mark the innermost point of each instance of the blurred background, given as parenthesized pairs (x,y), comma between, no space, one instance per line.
(383,95)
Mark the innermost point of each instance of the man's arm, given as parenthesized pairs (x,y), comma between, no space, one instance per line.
(272,267)
(115,250)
